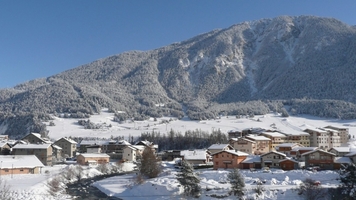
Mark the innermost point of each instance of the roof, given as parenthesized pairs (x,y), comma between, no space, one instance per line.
(252,159)
(274,134)
(254,137)
(31,146)
(315,130)
(304,148)
(288,145)
(237,153)
(20,161)
(289,159)
(310,152)
(218,146)
(342,160)
(139,147)
(199,154)
(352,153)
(92,142)
(68,140)
(56,147)
(276,152)
(341,149)
(94,155)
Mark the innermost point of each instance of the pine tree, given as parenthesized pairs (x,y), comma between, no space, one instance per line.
(149,164)
(237,182)
(189,180)
(348,181)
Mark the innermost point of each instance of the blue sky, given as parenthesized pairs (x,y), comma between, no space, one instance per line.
(40,38)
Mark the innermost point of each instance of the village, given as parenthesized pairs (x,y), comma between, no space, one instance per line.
(255,148)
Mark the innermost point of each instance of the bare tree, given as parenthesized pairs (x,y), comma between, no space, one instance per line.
(55,186)
(312,190)
(4,190)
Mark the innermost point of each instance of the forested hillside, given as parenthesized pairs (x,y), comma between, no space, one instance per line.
(304,64)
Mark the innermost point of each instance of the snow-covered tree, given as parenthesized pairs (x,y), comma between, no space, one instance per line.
(189,180)
(237,182)
(149,165)
(348,181)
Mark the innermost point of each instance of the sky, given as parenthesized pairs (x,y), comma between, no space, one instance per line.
(40,38)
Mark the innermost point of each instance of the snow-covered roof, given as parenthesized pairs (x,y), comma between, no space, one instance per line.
(123,142)
(198,154)
(3,143)
(288,145)
(276,152)
(352,153)
(346,160)
(315,130)
(341,149)
(139,147)
(20,161)
(94,155)
(56,146)
(291,159)
(68,140)
(218,146)
(31,146)
(92,142)
(320,150)
(237,153)
(252,159)
(304,148)
(255,137)
(274,134)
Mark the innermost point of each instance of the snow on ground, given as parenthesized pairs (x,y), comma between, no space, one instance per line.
(65,127)
(279,184)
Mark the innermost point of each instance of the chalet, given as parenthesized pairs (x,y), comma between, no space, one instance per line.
(20,164)
(219,147)
(251,162)
(196,157)
(286,148)
(147,144)
(298,151)
(82,146)
(35,138)
(4,148)
(115,149)
(319,158)
(272,158)
(289,164)
(340,151)
(43,152)
(69,146)
(92,158)
(228,159)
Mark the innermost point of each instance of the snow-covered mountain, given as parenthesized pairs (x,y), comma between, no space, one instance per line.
(301,60)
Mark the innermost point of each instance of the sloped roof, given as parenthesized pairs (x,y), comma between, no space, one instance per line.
(68,140)
(320,150)
(352,153)
(94,155)
(254,137)
(56,146)
(276,152)
(342,160)
(234,152)
(290,159)
(218,146)
(20,161)
(341,149)
(288,145)
(252,159)
(31,146)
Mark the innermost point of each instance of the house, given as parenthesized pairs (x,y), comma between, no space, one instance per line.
(243,144)
(43,152)
(251,162)
(262,144)
(82,146)
(276,138)
(340,151)
(343,133)
(196,157)
(92,158)
(298,151)
(147,144)
(35,138)
(129,153)
(219,147)
(94,149)
(289,164)
(228,159)
(271,159)
(4,148)
(319,158)
(170,155)
(69,146)
(286,148)
(57,153)
(20,164)
(115,149)
(341,161)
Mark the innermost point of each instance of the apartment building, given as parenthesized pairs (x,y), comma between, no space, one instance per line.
(43,152)
(323,138)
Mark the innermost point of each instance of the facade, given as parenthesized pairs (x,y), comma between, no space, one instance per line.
(219,147)
(343,133)
(68,146)
(340,151)
(129,153)
(262,144)
(243,144)
(92,158)
(289,164)
(323,139)
(299,137)
(43,152)
(94,149)
(319,158)
(286,148)
(271,159)
(275,139)
(251,162)
(57,153)
(228,159)
(20,164)
(297,152)
(196,157)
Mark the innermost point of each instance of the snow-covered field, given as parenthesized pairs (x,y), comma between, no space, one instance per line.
(278,186)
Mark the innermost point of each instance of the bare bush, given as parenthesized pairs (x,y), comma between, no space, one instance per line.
(4,190)
(311,190)
(103,168)
(68,174)
(55,186)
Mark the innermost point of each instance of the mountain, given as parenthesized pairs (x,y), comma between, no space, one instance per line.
(253,67)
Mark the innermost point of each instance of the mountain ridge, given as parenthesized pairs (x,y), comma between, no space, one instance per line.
(248,68)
